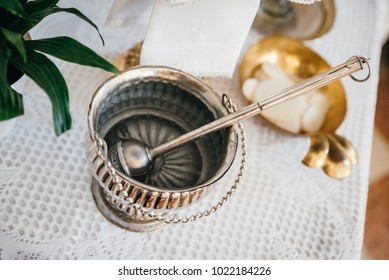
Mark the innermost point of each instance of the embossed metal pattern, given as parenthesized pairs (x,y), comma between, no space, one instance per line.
(133,193)
(160,113)
(152,104)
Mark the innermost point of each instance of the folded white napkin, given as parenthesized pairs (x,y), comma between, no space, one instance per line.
(201,37)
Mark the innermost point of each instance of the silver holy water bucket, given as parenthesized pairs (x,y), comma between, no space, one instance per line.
(153,105)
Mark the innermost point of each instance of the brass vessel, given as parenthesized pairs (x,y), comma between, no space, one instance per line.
(332,152)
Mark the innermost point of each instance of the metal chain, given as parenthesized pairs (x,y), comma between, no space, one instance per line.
(101,146)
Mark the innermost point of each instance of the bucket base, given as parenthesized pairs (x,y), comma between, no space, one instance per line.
(119,218)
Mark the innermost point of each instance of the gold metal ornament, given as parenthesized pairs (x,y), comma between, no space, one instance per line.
(333,153)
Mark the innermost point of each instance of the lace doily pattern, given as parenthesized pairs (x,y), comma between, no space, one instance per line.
(306,2)
(283,210)
(182,2)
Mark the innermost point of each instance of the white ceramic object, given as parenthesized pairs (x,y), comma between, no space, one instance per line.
(306,113)
(314,117)
(287,115)
(248,88)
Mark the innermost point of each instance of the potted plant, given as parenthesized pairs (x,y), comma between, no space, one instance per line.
(19,56)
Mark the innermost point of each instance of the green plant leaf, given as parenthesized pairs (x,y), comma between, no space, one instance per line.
(11,102)
(71,50)
(38,5)
(5,54)
(16,40)
(38,16)
(22,26)
(14,7)
(15,23)
(44,72)
(76,12)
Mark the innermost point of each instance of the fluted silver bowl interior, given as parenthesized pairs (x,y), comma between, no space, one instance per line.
(153,112)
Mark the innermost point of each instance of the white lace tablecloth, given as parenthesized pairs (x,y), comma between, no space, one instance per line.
(282,210)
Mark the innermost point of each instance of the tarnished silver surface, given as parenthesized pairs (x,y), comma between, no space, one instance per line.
(136,158)
(153,105)
(134,154)
(124,216)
